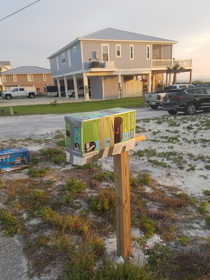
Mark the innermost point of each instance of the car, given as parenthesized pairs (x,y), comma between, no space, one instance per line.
(187,100)
(80,90)
(177,86)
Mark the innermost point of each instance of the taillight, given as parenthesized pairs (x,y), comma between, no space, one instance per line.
(158,97)
(178,98)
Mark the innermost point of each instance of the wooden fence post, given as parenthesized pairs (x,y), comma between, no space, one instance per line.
(122,198)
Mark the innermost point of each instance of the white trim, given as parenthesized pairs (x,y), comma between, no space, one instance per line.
(14,77)
(131,58)
(63,58)
(109,40)
(4,79)
(117,45)
(57,63)
(103,87)
(104,45)
(69,58)
(44,76)
(148,46)
(82,55)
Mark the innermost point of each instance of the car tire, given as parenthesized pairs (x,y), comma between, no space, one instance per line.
(153,106)
(31,95)
(172,112)
(8,96)
(191,109)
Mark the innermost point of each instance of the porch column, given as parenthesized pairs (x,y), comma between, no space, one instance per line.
(59,88)
(170,79)
(149,83)
(119,86)
(86,89)
(153,83)
(166,79)
(191,76)
(75,86)
(66,86)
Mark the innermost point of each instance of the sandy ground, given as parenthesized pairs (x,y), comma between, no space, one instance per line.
(187,137)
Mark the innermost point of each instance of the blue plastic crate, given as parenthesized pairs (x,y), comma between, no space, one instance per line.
(10,158)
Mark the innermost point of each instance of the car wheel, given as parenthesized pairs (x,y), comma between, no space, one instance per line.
(8,96)
(172,112)
(153,106)
(191,108)
(31,95)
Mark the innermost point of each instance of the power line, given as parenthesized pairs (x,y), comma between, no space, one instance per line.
(20,10)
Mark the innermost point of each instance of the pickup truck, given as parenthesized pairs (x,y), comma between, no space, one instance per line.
(155,99)
(19,92)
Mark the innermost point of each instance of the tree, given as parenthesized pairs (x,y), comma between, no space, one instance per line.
(176,69)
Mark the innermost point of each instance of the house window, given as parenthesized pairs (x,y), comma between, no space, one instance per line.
(105,52)
(148,52)
(157,52)
(3,78)
(69,58)
(131,53)
(63,58)
(118,50)
(14,78)
(74,48)
(44,77)
(30,77)
(57,63)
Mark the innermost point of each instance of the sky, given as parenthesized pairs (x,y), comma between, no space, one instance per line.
(30,36)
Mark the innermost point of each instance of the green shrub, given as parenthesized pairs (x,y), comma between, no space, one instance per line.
(51,152)
(202,208)
(144,179)
(124,271)
(206,192)
(34,160)
(36,173)
(184,241)
(105,201)
(58,159)
(208,220)
(159,252)
(91,165)
(207,166)
(61,143)
(101,177)
(74,186)
(147,225)
(11,226)
(36,195)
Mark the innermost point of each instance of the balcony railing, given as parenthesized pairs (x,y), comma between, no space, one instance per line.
(183,62)
(164,63)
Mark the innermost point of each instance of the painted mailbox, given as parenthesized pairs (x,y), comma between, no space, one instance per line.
(94,135)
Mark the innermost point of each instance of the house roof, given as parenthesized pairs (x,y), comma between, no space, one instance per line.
(5,63)
(28,70)
(116,35)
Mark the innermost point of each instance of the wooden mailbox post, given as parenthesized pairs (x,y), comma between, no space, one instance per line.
(94,135)
(122,197)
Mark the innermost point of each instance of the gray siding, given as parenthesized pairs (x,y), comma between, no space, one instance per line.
(110,87)
(76,61)
(96,87)
(124,61)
